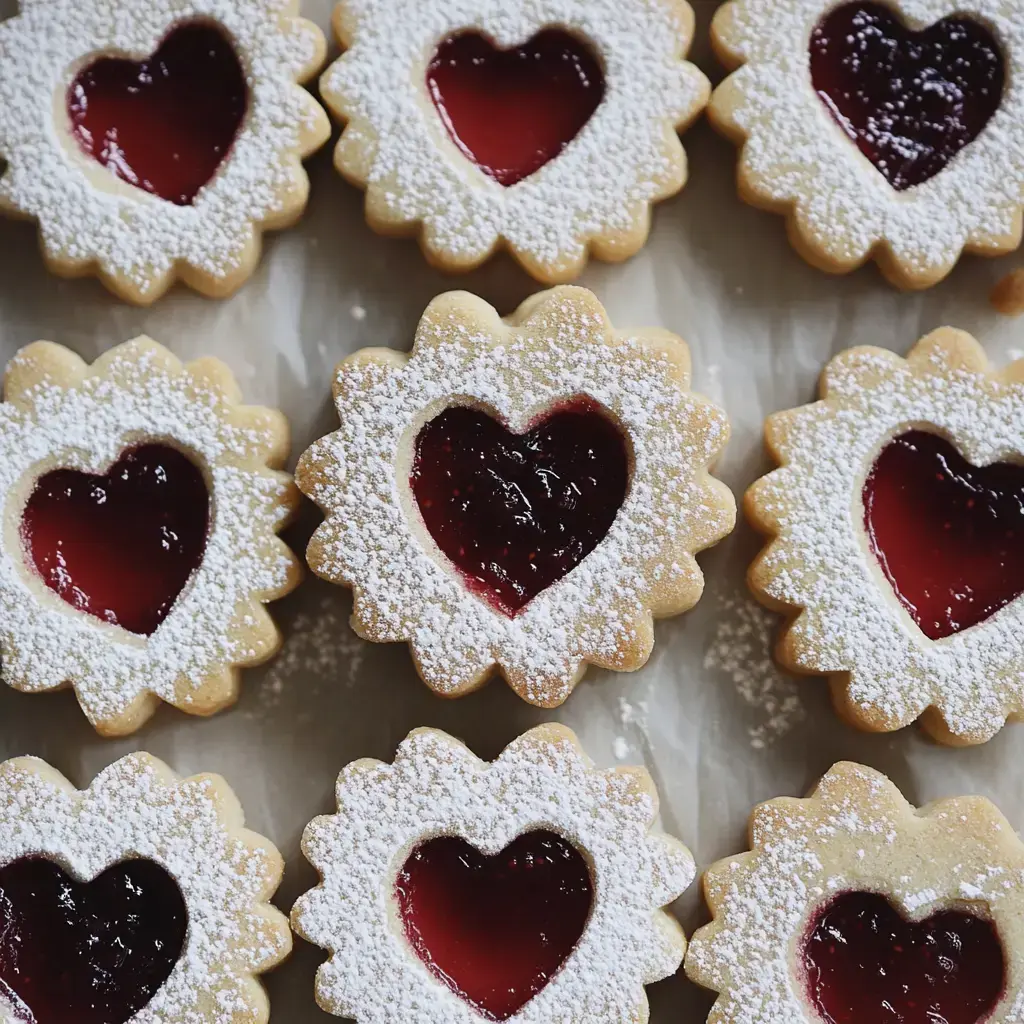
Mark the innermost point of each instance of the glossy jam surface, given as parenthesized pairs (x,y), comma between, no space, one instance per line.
(511,111)
(949,536)
(866,964)
(166,123)
(516,512)
(92,953)
(496,929)
(909,100)
(120,546)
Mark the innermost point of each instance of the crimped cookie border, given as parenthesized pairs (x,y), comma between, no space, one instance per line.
(136,243)
(843,619)
(460,215)
(60,411)
(558,344)
(437,786)
(840,210)
(194,829)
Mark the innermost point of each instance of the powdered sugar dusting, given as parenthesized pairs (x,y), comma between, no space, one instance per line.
(437,787)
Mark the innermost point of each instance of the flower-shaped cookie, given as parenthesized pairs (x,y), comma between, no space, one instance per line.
(898,526)
(139,530)
(153,140)
(141,899)
(853,905)
(526,889)
(548,128)
(891,131)
(523,494)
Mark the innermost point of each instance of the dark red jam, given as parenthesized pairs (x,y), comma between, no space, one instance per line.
(909,100)
(123,545)
(867,964)
(948,536)
(87,953)
(495,930)
(511,111)
(516,512)
(166,123)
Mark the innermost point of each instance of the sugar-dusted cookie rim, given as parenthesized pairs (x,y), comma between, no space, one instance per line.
(841,211)
(558,345)
(845,621)
(193,828)
(437,786)
(855,832)
(595,196)
(60,412)
(137,243)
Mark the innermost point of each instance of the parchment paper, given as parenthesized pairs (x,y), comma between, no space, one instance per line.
(717,726)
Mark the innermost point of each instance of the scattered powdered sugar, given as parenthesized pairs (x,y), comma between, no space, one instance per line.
(373,538)
(137,809)
(742,650)
(599,187)
(217,622)
(796,155)
(620,748)
(438,787)
(821,561)
(358,313)
(130,234)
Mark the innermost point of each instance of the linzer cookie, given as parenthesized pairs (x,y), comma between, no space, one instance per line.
(546,128)
(141,899)
(889,131)
(852,905)
(139,533)
(528,889)
(897,526)
(152,140)
(523,494)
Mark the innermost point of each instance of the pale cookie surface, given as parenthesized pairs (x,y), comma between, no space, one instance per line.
(90,220)
(61,413)
(436,786)
(595,195)
(842,211)
(855,834)
(193,829)
(558,346)
(819,568)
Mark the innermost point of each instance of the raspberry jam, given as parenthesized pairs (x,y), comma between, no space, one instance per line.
(948,536)
(120,546)
(87,953)
(166,123)
(516,512)
(864,963)
(511,111)
(495,930)
(909,100)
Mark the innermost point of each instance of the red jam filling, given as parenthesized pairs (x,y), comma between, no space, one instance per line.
(948,536)
(516,512)
(93,952)
(866,963)
(166,123)
(120,546)
(511,111)
(909,100)
(495,930)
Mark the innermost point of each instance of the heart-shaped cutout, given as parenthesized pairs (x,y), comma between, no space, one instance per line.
(122,545)
(949,536)
(166,123)
(94,952)
(513,111)
(497,929)
(910,100)
(516,512)
(864,962)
